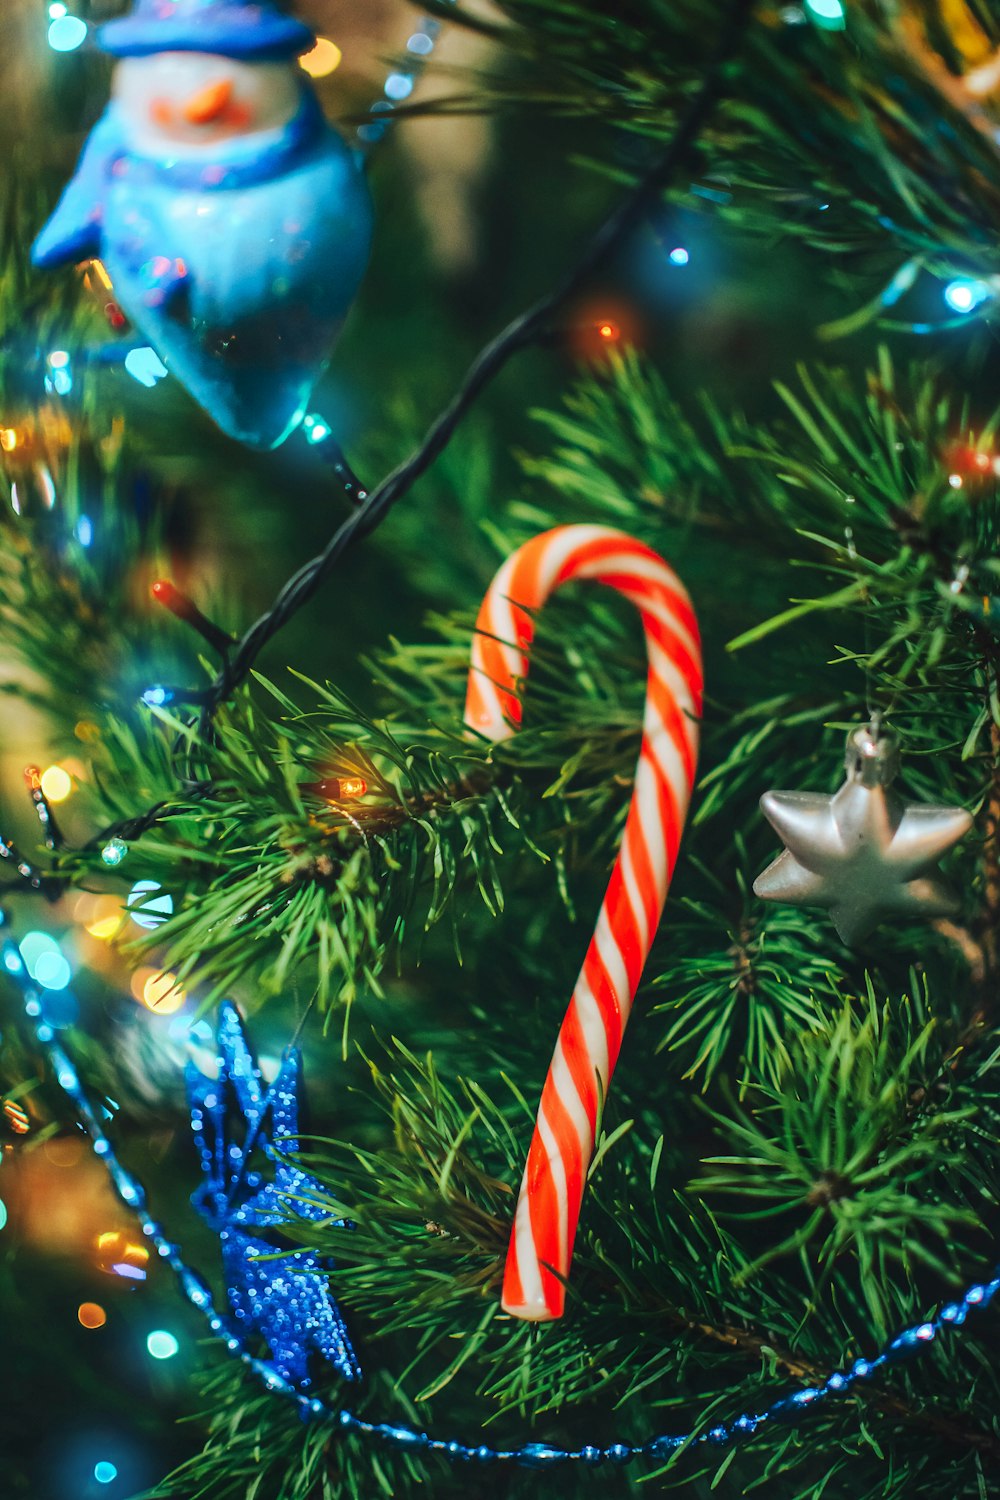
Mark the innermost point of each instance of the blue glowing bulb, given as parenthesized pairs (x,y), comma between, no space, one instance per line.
(679,256)
(84,531)
(52,971)
(157,697)
(829,14)
(149,910)
(66,33)
(398,86)
(105,1473)
(965,294)
(145,366)
(114,852)
(3,1214)
(57,9)
(162,1345)
(315,429)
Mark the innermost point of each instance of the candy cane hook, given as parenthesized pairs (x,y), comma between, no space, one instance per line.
(541,1244)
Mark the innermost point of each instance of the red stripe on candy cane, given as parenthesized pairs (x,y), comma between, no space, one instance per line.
(555,1174)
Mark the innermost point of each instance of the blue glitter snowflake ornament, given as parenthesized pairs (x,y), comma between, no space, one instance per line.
(282,1295)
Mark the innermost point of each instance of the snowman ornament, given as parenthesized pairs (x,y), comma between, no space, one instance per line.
(234,222)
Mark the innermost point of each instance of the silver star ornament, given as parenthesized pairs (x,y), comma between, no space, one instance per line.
(864,854)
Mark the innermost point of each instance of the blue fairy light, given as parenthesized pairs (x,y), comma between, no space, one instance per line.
(157,697)
(398,86)
(84,531)
(52,971)
(830,15)
(146,908)
(161,1344)
(66,33)
(679,256)
(57,9)
(114,852)
(3,1214)
(105,1472)
(145,366)
(421,44)
(965,293)
(315,429)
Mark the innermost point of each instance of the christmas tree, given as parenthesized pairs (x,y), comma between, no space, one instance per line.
(688,301)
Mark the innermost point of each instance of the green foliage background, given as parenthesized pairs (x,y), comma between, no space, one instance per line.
(798,1154)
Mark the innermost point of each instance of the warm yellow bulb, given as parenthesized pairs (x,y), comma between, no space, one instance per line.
(162,993)
(9,439)
(323,59)
(57,784)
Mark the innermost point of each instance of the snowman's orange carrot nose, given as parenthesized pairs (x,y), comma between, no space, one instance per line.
(208,103)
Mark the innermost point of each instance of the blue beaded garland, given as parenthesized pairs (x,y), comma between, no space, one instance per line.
(530,1455)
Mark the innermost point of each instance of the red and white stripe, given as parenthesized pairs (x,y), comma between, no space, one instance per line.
(541,1245)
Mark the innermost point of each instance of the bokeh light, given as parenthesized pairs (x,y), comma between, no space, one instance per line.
(161,1344)
(323,59)
(3,1214)
(162,993)
(57,784)
(829,14)
(146,908)
(964,294)
(105,1472)
(91,1315)
(145,366)
(117,1255)
(66,33)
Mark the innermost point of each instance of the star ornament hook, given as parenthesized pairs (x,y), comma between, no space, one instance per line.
(863,854)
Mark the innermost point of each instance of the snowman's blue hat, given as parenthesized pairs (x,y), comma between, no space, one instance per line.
(233,28)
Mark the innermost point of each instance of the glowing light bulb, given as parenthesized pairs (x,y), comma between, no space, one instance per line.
(608,331)
(161,1344)
(10,439)
(315,429)
(105,1472)
(66,33)
(324,58)
(679,256)
(965,294)
(57,10)
(145,366)
(830,15)
(57,784)
(114,852)
(84,529)
(3,1214)
(91,1315)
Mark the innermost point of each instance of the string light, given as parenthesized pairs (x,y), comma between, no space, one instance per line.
(965,294)
(67,33)
(56,783)
(3,1214)
(91,1315)
(610,332)
(157,697)
(161,1344)
(315,429)
(105,1472)
(323,59)
(679,256)
(114,852)
(10,439)
(340,788)
(161,993)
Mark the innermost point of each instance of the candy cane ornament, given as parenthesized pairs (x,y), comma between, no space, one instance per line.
(541,1243)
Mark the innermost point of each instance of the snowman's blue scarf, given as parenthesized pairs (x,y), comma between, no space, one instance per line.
(238,168)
